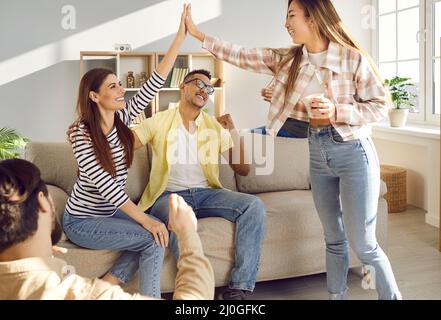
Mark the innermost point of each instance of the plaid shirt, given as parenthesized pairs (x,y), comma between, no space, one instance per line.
(350,83)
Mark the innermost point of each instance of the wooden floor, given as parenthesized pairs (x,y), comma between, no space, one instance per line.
(412,251)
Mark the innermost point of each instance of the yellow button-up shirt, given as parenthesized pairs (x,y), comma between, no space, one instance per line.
(161,132)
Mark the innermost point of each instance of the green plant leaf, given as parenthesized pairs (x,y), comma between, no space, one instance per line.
(399,88)
(10,142)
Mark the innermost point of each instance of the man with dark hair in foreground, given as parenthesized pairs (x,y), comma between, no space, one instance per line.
(29,229)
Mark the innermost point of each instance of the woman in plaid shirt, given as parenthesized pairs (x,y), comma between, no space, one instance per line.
(327,89)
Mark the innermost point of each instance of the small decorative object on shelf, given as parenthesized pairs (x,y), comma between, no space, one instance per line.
(122,47)
(142,79)
(130,80)
(129,66)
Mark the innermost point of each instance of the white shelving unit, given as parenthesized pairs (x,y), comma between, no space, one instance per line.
(122,63)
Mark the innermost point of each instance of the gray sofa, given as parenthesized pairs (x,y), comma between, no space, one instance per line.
(293,243)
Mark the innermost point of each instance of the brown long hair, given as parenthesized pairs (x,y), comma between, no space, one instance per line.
(90,116)
(331,28)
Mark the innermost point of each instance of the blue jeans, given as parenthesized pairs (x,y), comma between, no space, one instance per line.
(345,179)
(245,210)
(122,233)
(292,128)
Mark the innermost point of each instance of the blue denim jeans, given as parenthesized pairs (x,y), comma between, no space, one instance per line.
(345,179)
(292,128)
(122,233)
(245,210)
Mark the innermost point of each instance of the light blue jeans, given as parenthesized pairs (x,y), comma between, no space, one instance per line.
(122,233)
(245,210)
(345,179)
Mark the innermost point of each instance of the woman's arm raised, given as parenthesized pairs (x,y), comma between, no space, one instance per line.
(260,60)
(150,88)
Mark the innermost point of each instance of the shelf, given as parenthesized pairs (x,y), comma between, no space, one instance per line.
(136,62)
(177,89)
(123,62)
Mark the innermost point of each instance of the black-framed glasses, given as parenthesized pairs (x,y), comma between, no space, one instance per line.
(202,85)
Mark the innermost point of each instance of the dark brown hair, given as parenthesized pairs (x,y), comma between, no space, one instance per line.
(199,71)
(20,184)
(90,116)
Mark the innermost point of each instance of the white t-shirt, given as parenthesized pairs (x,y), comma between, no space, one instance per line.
(185,169)
(314,86)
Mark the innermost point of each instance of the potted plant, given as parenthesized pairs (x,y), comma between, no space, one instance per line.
(10,143)
(403,99)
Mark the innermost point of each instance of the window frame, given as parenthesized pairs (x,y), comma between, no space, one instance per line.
(426,115)
(431,117)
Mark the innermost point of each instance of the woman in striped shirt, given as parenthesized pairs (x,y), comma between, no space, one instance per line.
(99,214)
(327,89)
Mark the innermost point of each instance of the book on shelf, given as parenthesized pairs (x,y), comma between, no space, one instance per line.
(177,77)
(185,71)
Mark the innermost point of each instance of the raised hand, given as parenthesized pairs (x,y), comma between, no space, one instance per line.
(226,121)
(182,31)
(181,215)
(191,27)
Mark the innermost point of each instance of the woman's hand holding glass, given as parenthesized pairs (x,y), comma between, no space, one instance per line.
(322,108)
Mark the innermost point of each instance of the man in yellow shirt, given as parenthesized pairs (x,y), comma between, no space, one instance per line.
(187,145)
(28,229)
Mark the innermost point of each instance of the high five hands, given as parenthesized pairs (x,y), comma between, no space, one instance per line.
(182,31)
(191,27)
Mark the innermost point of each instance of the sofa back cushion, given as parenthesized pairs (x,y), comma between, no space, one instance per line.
(278,164)
(56,162)
(59,168)
(227,177)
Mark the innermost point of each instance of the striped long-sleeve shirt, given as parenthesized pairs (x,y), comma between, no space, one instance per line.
(96,193)
(360,98)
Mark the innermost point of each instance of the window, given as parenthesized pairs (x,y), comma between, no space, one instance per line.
(408,45)
(435,55)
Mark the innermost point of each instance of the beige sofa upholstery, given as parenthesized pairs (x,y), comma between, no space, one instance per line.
(293,243)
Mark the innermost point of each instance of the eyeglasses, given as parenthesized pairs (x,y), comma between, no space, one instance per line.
(201,85)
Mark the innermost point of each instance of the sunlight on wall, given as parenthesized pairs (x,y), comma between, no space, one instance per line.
(138,29)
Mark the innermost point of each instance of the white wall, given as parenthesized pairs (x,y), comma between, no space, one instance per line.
(420,156)
(39,69)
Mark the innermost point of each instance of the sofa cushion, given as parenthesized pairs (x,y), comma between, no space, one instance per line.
(59,168)
(139,174)
(293,243)
(283,164)
(56,162)
(227,177)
